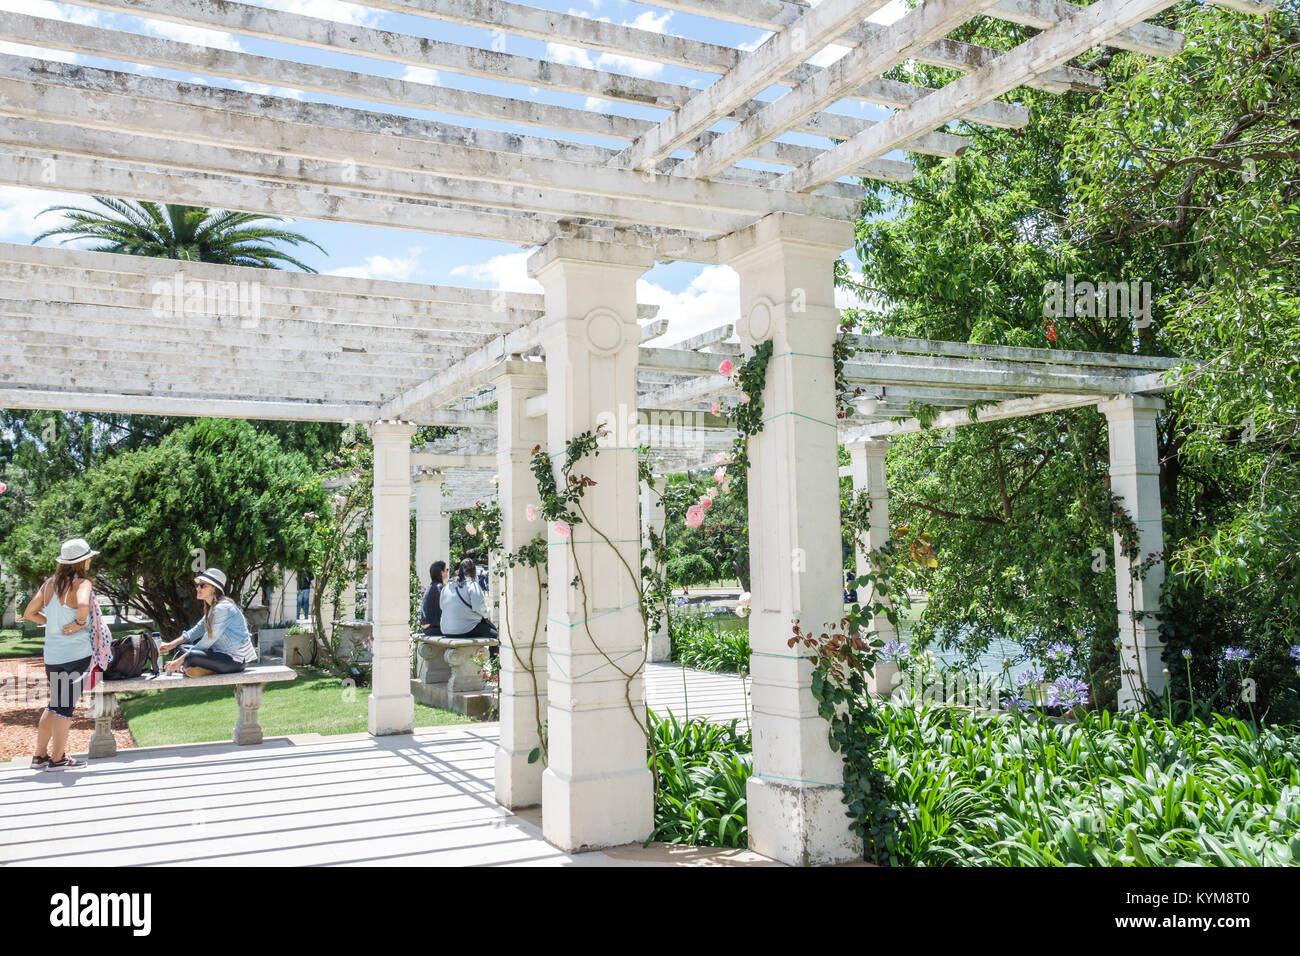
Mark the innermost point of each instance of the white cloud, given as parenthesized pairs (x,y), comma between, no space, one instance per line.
(828,55)
(199,36)
(508,272)
(19,207)
(383,267)
(421,74)
(570,56)
(51,11)
(711,299)
(894,10)
(651,21)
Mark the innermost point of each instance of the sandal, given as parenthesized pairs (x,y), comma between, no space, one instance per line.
(68,762)
(39,762)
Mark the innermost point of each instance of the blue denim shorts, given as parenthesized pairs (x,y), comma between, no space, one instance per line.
(66,682)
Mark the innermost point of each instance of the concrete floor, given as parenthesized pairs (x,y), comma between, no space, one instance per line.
(420,800)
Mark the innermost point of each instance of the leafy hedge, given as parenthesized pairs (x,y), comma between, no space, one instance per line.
(703,768)
(1106,791)
(707,648)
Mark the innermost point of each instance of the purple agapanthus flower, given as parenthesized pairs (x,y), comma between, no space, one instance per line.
(1295,653)
(1187,653)
(1236,654)
(1060,651)
(1067,692)
(1018,704)
(893,652)
(1030,677)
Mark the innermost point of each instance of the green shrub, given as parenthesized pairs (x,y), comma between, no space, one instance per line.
(703,768)
(687,569)
(700,644)
(1131,790)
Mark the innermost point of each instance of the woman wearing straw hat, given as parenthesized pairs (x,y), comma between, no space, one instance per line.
(219,642)
(63,606)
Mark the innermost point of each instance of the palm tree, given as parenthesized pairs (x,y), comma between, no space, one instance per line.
(192,233)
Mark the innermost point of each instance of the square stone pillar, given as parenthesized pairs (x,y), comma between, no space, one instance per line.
(392,707)
(1135,480)
(597,790)
(522,620)
(787,295)
(431,529)
(867,468)
(654,519)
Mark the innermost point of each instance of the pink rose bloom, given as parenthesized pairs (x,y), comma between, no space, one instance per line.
(706,502)
(694,516)
(716,408)
(3,487)
(338,501)
(531,512)
(561,529)
(725,487)
(744,399)
(726,368)
(720,457)
(469,528)
(720,474)
(746,597)
(742,611)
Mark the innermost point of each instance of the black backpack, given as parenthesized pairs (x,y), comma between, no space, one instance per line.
(131,655)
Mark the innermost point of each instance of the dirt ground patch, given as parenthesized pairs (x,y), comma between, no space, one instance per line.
(23,695)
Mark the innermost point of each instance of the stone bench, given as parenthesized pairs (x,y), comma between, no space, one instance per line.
(447,676)
(248,683)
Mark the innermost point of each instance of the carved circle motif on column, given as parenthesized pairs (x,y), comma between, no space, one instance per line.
(604,331)
(757,326)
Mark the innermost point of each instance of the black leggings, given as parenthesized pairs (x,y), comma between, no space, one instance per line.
(214,661)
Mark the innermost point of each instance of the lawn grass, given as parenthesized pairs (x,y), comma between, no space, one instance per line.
(314,702)
(26,642)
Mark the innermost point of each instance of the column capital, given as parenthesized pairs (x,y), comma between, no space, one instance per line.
(518,370)
(605,254)
(1129,404)
(392,430)
(868,446)
(832,235)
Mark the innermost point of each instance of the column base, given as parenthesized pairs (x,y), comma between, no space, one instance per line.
(518,782)
(391,715)
(800,825)
(660,646)
(599,812)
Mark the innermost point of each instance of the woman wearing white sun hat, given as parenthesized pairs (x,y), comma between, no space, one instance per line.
(219,643)
(63,606)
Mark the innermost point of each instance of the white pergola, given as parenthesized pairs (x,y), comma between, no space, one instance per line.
(708,173)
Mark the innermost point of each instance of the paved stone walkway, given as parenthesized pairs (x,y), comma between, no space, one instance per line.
(424,799)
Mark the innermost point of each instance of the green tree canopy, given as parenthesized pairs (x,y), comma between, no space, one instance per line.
(213,493)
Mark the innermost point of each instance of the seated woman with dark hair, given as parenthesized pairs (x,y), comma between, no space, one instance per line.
(430,612)
(464,610)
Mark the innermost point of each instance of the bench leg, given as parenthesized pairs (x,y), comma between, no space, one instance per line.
(102,708)
(247,729)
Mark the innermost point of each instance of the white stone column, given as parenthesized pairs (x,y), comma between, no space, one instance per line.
(1135,480)
(431,529)
(787,295)
(289,595)
(597,790)
(522,616)
(392,708)
(867,467)
(654,519)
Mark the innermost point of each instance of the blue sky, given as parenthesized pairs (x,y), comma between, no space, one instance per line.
(692,296)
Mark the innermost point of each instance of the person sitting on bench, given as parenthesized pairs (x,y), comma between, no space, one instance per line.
(464,611)
(219,643)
